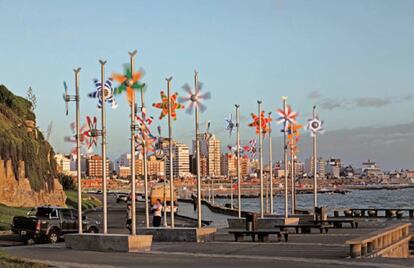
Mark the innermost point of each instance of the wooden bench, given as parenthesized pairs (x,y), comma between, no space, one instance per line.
(392,241)
(337,223)
(305,228)
(262,235)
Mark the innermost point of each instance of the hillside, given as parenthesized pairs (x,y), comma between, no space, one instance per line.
(25,155)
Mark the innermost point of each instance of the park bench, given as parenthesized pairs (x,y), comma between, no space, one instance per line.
(337,223)
(305,228)
(262,235)
(392,241)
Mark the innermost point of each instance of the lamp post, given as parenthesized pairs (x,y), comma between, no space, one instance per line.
(103,133)
(238,160)
(145,163)
(284,99)
(170,152)
(270,165)
(259,103)
(133,127)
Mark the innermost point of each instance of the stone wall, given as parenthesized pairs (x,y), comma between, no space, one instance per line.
(18,192)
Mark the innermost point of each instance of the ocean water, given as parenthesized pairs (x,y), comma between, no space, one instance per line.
(399,198)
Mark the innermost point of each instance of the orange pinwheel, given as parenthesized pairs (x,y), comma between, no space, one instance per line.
(128,82)
(264,122)
(163,105)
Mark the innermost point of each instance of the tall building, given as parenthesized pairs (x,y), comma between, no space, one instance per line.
(229,164)
(210,148)
(321,166)
(333,167)
(155,167)
(94,165)
(63,163)
(181,160)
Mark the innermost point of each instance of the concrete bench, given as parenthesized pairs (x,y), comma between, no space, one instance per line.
(262,235)
(392,241)
(337,223)
(305,228)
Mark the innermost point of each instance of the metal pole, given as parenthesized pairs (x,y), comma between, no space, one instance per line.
(103,129)
(260,158)
(145,163)
(294,183)
(133,194)
(285,159)
(271,165)
(292,189)
(78,160)
(238,160)
(198,158)
(315,180)
(231,182)
(171,152)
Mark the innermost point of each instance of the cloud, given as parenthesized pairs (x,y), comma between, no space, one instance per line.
(315,94)
(364,102)
(331,104)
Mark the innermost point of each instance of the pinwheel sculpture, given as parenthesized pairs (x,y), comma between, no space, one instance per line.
(230,124)
(315,126)
(262,123)
(66,97)
(194,98)
(128,82)
(84,142)
(163,105)
(91,132)
(144,135)
(233,150)
(251,148)
(293,137)
(287,117)
(108,93)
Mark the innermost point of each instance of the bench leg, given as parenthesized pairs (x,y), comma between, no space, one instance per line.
(253,237)
(326,230)
(356,225)
(321,230)
(238,236)
(286,235)
(279,237)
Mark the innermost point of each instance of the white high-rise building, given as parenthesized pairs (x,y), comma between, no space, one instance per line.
(181,160)
(63,163)
(210,148)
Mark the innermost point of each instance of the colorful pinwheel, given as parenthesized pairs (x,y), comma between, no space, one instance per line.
(72,139)
(264,122)
(233,150)
(128,82)
(315,126)
(230,124)
(195,97)
(293,137)
(66,96)
(286,117)
(108,93)
(251,148)
(91,132)
(163,105)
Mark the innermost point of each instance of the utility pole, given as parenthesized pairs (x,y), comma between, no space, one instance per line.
(145,163)
(238,160)
(103,129)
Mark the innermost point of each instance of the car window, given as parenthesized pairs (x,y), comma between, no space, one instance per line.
(54,214)
(43,212)
(66,214)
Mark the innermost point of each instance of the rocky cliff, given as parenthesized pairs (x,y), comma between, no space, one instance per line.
(27,165)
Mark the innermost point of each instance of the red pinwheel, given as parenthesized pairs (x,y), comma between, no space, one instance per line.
(264,123)
(163,105)
(91,132)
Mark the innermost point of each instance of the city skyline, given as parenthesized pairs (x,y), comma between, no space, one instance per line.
(354,67)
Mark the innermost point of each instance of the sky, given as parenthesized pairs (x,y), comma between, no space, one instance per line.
(353,59)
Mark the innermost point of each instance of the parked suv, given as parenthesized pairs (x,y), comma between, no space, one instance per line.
(48,223)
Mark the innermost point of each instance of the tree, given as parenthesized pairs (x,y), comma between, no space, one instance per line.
(32,98)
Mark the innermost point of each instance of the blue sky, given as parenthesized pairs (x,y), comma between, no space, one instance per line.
(352,58)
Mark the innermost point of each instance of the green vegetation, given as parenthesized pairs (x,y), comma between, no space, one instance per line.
(66,181)
(14,262)
(7,214)
(88,201)
(17,144)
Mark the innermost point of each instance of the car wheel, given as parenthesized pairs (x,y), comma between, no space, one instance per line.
(30,241)
(53,236)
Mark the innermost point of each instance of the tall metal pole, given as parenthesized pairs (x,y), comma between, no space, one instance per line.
(315,179)
(294,183)
(285,158)
(171,152)
(78,160)
(238,161)
(271,165)
(133,126)
(198,158)
(103,129)
(259,104)
(145,163)
(231,182)
(292,189)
